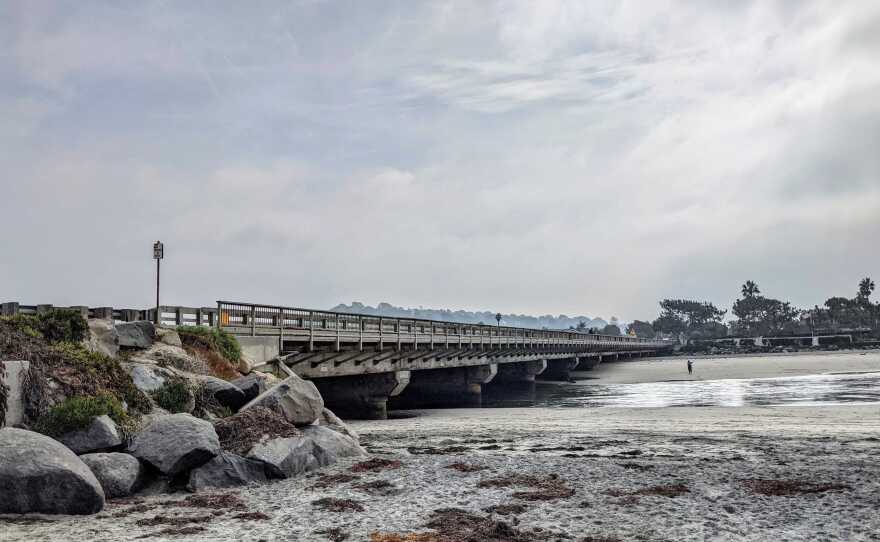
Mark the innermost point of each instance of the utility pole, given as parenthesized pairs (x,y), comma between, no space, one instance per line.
(158,254)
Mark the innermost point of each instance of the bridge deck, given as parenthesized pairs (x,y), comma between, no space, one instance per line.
(326,343)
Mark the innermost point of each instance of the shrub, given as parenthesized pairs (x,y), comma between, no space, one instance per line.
(211,338)
(174,396)
(100,373)
(77,413)
(62,325)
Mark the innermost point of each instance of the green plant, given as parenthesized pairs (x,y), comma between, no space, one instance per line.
(99,372)
(174,396)
(78,412)
(212,338)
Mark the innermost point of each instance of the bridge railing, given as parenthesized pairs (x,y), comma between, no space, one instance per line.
(254,319)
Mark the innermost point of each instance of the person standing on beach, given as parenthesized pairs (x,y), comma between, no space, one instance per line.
(690,367)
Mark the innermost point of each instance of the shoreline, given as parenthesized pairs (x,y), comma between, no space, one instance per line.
(688,473)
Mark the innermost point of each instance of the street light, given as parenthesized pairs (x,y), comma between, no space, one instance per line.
(158,254)
(498,319)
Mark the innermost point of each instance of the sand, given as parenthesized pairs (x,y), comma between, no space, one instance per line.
(610,457)
(717,368)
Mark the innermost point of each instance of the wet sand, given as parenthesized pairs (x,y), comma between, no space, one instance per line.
(684,473)
(718,368)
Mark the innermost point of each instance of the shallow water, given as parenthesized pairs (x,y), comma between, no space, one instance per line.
(810,390)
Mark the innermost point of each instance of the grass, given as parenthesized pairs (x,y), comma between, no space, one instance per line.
(174,396)
(212,338)
(78,412)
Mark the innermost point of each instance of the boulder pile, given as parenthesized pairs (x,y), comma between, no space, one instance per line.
(168,417)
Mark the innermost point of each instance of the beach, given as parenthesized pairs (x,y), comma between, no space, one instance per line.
(790,472)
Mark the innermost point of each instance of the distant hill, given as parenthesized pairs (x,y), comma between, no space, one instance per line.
(466,317)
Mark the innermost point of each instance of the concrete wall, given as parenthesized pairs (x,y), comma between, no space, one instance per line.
(259,349)
(14,374)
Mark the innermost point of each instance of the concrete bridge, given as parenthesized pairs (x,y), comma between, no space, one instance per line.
(363,363)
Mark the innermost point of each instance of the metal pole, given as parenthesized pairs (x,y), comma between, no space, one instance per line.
(157,319)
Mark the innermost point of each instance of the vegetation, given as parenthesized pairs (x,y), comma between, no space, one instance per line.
(78,412)
(693,318)
(174,396)
(757,315)
(211,338)
(57,325)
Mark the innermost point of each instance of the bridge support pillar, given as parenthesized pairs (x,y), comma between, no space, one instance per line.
(559,369)
(588,362)
(446,388)
(362,397)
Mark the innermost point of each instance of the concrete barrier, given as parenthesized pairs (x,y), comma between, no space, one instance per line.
(12,377)
(259,349)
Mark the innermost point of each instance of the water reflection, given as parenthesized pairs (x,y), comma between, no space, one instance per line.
(800,390)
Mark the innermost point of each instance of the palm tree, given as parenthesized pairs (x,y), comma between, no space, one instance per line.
(750,289)
(866,288)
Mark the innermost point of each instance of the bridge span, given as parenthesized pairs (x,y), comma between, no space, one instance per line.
(363,363)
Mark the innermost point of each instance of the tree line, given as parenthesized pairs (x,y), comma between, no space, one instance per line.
(758,315)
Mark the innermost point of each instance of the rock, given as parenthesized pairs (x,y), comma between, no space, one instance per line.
(297,399)
(103,337)
(120,475)
(12,375)
(252,385)
(38,474)
(168,336)
(101,434)
(227,470)
(147,377)
(286,457)
(331,445)
(166,355)
(225,393)
(246,364)
(138,334)
(328,419)
(176,443)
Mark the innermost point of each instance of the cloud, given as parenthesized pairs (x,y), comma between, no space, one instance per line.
(543,157)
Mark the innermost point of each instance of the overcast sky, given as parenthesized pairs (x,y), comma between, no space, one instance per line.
(529,157)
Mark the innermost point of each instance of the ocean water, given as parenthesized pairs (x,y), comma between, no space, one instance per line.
(809,390)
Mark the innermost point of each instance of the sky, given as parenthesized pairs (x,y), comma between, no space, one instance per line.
(516,156)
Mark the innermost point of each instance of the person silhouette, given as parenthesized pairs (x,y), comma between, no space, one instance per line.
(690,367)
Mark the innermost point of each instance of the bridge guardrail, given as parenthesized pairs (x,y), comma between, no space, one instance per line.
(244,317)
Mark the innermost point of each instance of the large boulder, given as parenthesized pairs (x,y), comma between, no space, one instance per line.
(176,443)
(168,336)
(120,475)
(101,434)
(103,337)
(38,474)
(225,393)
(138,334)
(246,364)
(328,419)
(331,445)
(148,377)
(166,355)
(298,400)
(286,457)
(227,470)
(252,385)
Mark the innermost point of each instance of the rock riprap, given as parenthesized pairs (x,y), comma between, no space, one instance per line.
(176,443)
(101,434)
(331,445)
(296,399)
(138,334)
(328,419)
(40,475)
(120,475)
(225,393)
(286,457)
(252,385)
(227,470)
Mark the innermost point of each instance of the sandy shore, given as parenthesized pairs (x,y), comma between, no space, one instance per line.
(685,473)
(718,368)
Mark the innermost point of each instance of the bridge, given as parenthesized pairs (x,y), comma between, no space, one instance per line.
(362,364)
